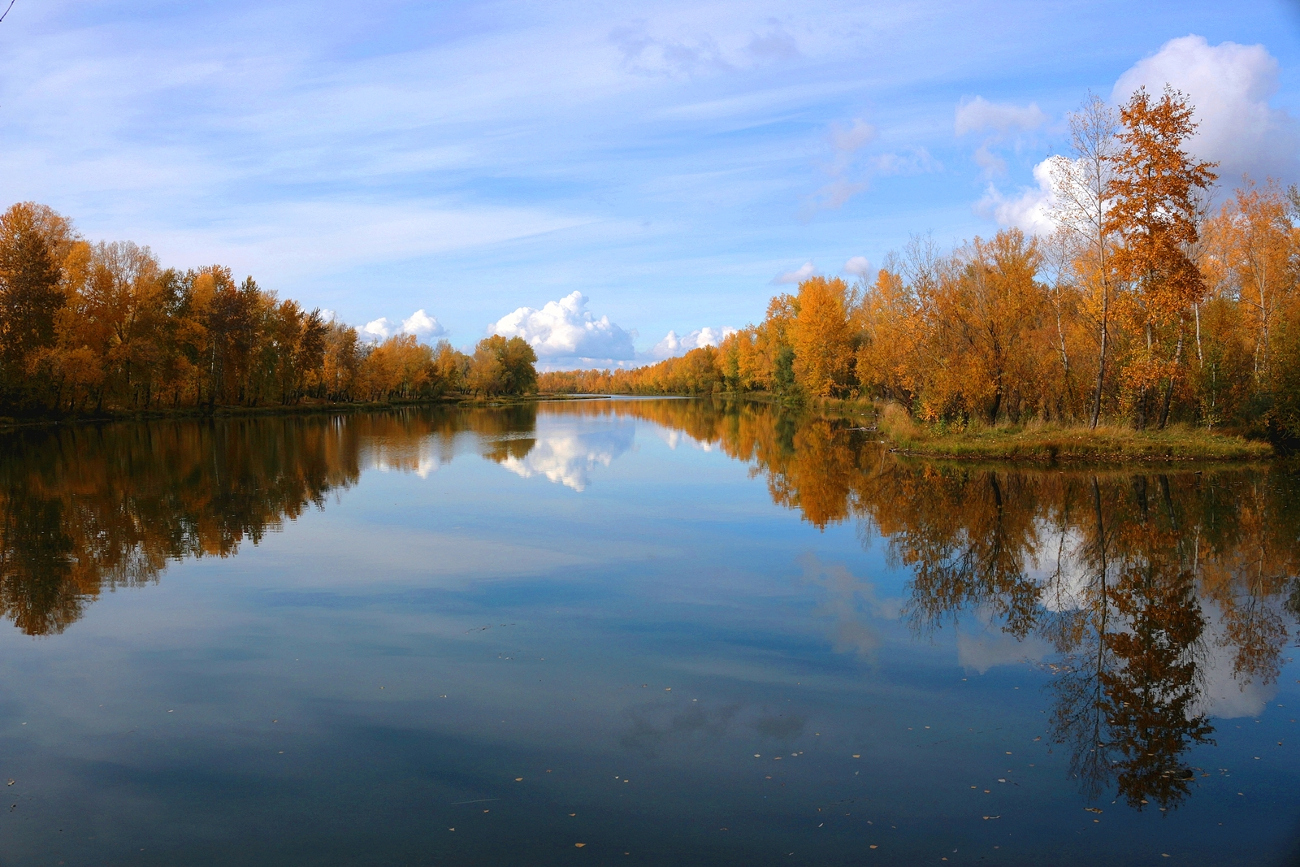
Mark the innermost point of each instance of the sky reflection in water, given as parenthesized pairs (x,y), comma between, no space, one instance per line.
(711,633)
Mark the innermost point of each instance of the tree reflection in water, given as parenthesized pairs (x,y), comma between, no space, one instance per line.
(1117,569)
(1136,578)
(87,509)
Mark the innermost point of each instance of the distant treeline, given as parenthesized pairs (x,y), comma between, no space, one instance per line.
(91,327)
(1144,306)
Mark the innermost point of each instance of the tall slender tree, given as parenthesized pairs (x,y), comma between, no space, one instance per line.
(1152,214)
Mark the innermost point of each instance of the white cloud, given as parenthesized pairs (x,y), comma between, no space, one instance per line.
(565,329)
(858,266)
(1230,86)
(419,324)
(798,275)
(422,325)
(980,115)
(1031,210)
(673,345)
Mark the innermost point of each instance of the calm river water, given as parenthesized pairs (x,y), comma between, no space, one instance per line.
(634,632)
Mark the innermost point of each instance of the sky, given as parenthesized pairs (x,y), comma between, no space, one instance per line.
(613,183)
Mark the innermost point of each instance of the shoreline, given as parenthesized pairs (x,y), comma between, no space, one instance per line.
(11,423)
(1033,443)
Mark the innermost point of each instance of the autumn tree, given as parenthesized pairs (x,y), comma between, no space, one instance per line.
(33,241)
(503,366)
(1152,216)
(1254,247)
(821,338)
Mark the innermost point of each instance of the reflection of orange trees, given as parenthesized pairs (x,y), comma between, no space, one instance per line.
(1123,573)
(93,508)
(89,508)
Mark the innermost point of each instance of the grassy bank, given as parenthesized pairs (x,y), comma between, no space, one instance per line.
(1047,442)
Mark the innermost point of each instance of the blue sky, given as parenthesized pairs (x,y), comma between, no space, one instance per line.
(668,161)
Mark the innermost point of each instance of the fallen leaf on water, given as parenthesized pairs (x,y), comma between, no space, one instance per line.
(1093,809)
(573,814)
(998,816)
(579,845)
(857,756)
(519,779)
(873,845)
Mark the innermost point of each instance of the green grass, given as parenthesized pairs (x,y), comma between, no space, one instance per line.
(1048,442)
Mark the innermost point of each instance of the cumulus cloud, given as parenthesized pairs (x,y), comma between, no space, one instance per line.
(1030,209)
(1003,118)
(422,324)
(565,329)
(1230,86)
(673,345)
(419,324)
(858,266)
(798,275)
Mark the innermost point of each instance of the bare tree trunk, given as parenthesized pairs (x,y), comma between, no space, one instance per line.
(1169,385)
(1101,364)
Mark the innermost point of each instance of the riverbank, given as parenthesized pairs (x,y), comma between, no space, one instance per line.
(306,407)
(1057,443)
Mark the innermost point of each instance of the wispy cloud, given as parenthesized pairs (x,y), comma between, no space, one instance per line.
(798,275)
(1003,118)
(1001,122)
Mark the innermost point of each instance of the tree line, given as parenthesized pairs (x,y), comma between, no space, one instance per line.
(1145,305)
(92,327)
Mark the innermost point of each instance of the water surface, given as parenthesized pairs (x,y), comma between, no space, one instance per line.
(672,631)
